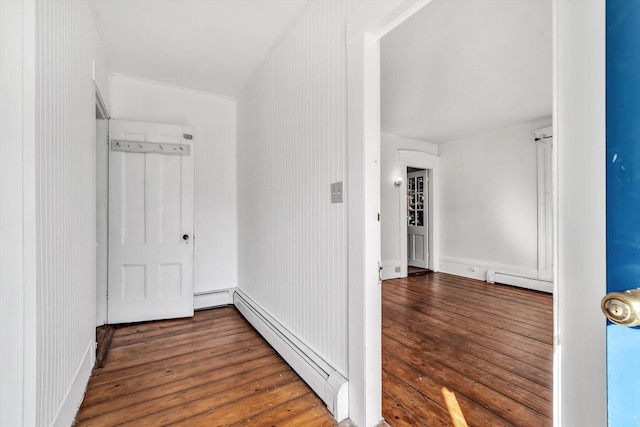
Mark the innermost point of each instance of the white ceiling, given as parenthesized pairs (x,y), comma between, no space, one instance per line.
(209,45)
(465,67)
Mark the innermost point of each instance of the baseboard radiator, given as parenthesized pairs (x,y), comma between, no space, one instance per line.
(520,281)
(326,381)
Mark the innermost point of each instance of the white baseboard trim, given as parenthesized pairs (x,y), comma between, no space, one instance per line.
(522,282)
(71,402)
(472,271)
(389,269)
(325,380)
(496,273)
(211,299)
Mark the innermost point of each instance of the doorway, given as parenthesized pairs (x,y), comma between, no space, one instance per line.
(151,222)
(445,89)
(418,236)
(578,77)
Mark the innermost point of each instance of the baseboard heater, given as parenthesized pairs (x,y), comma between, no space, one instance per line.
(533,283)
(325,380)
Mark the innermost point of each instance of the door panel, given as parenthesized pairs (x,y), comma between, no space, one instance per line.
(134,176)
(623,203)
(150,210)
(418,248)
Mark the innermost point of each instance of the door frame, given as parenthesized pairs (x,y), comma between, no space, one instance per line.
(431,163)
(579,211)
(405,208)
(102,300)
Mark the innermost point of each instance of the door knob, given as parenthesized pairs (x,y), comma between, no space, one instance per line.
(622,308)
(185,237)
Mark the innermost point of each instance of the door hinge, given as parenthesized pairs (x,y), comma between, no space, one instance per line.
(378,216)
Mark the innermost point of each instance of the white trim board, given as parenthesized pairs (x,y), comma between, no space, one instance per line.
(365,26)
(72,400)
(324,379)
(211,299)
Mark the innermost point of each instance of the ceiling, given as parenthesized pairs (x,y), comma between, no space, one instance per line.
(208,45)
(465,67)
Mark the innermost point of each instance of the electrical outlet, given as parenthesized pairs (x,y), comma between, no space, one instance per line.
(472,269)
(398,269)
(336,192)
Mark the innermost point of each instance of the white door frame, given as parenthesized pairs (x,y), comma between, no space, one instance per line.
(580,215)
(579,181)
(102,242)
(426,223)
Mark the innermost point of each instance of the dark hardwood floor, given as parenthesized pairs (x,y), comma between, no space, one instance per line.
(210,370)
(464,350)
(454,349)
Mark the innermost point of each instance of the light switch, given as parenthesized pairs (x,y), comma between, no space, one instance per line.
(336,192)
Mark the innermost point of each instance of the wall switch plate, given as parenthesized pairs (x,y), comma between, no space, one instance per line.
(336,192)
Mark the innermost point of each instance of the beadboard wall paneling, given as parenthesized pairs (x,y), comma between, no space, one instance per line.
(292,254)
(213,119)
(66,46)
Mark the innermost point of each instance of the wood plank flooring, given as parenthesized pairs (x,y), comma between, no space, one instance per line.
(210,370)
(490,345)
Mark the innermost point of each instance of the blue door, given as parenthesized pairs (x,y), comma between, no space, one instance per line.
(623,203)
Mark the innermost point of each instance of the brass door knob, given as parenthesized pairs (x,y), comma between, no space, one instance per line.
(622,308)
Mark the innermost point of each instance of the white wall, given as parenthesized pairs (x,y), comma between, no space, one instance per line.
(488,205)
(12,283)
(47,220)
(213,119)
(291,147)
(51,276)
(391,206)
(65,204)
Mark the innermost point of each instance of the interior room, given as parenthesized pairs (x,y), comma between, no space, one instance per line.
(478,102)
(466,120)
(199,201)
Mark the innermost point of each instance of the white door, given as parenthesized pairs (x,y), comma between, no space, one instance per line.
(417,219)
(150,221)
